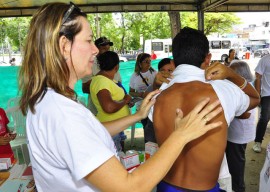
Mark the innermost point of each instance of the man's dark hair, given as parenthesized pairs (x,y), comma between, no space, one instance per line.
(108,60)
(190,46)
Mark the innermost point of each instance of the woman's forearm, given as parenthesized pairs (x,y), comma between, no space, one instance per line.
(116,126)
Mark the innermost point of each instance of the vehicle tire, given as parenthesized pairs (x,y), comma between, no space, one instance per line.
(223,57)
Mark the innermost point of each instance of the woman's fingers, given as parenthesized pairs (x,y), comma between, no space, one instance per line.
(206,111)
(200,106)
(149,97)
(147,103)
(195,123)
(211,126)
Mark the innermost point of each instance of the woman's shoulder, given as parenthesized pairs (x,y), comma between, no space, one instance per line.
(134,75)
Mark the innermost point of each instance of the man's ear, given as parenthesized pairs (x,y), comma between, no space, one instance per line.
(65,47)
(208,59)
(116,67)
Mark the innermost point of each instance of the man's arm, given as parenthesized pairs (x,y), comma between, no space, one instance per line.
(258,82)
(219,71)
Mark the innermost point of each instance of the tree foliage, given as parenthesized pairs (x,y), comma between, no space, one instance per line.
(213,22)
(13,31)
(125,29)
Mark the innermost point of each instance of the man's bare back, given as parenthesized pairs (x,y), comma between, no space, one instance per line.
(197,167)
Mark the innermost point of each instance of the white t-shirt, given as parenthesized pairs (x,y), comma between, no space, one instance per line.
(66,143)
(263,68)
(137,83)
(242,131)
(232,99)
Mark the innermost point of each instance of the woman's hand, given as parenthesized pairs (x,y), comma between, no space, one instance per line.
(195,124)
(127,98)
(4,140)
(147,103)
(12,135)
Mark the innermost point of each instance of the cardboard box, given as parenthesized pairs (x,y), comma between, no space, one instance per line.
(28,173)
(9,156)
(5,163)
(150,149)
(130,160)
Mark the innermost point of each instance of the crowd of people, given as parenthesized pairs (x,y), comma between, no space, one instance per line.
(81,145)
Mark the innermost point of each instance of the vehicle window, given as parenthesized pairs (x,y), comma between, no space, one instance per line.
(157,46)
(226,44)
(168,48)
(215,44)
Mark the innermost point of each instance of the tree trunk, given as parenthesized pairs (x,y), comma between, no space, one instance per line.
(175,22)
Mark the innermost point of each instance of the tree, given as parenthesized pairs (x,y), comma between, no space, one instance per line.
(125,29)
(213,22)
(175,21)
(13,31)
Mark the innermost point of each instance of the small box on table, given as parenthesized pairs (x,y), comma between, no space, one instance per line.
(150,149)
(130,160)
(6,160)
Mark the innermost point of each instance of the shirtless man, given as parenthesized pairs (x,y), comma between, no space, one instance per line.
(197,168)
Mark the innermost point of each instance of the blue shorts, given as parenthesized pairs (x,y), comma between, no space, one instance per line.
(166,187)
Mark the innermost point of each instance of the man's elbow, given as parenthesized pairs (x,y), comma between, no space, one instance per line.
(254,102)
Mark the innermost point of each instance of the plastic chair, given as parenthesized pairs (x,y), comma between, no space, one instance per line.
(18,124)
(82,100)
(13,102)
(133,127)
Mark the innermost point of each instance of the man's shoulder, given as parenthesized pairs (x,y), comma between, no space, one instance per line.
(191,90)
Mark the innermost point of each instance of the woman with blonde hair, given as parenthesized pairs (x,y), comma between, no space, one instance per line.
(70,150)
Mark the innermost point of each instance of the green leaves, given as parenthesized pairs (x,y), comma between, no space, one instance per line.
(125,29)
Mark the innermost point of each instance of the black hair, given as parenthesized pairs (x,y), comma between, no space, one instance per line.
(108,60)
(231,50)
(163,62)
(190,46)
(140,58)
(143,57)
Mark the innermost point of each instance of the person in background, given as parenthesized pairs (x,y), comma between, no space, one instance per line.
(110,99)
(5,135)
(141,79)
(153,55)
(70,150)
(12,61)
(103,44)
(166,66)
(198,167)
(232,56)
(262,85)
(241,131)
